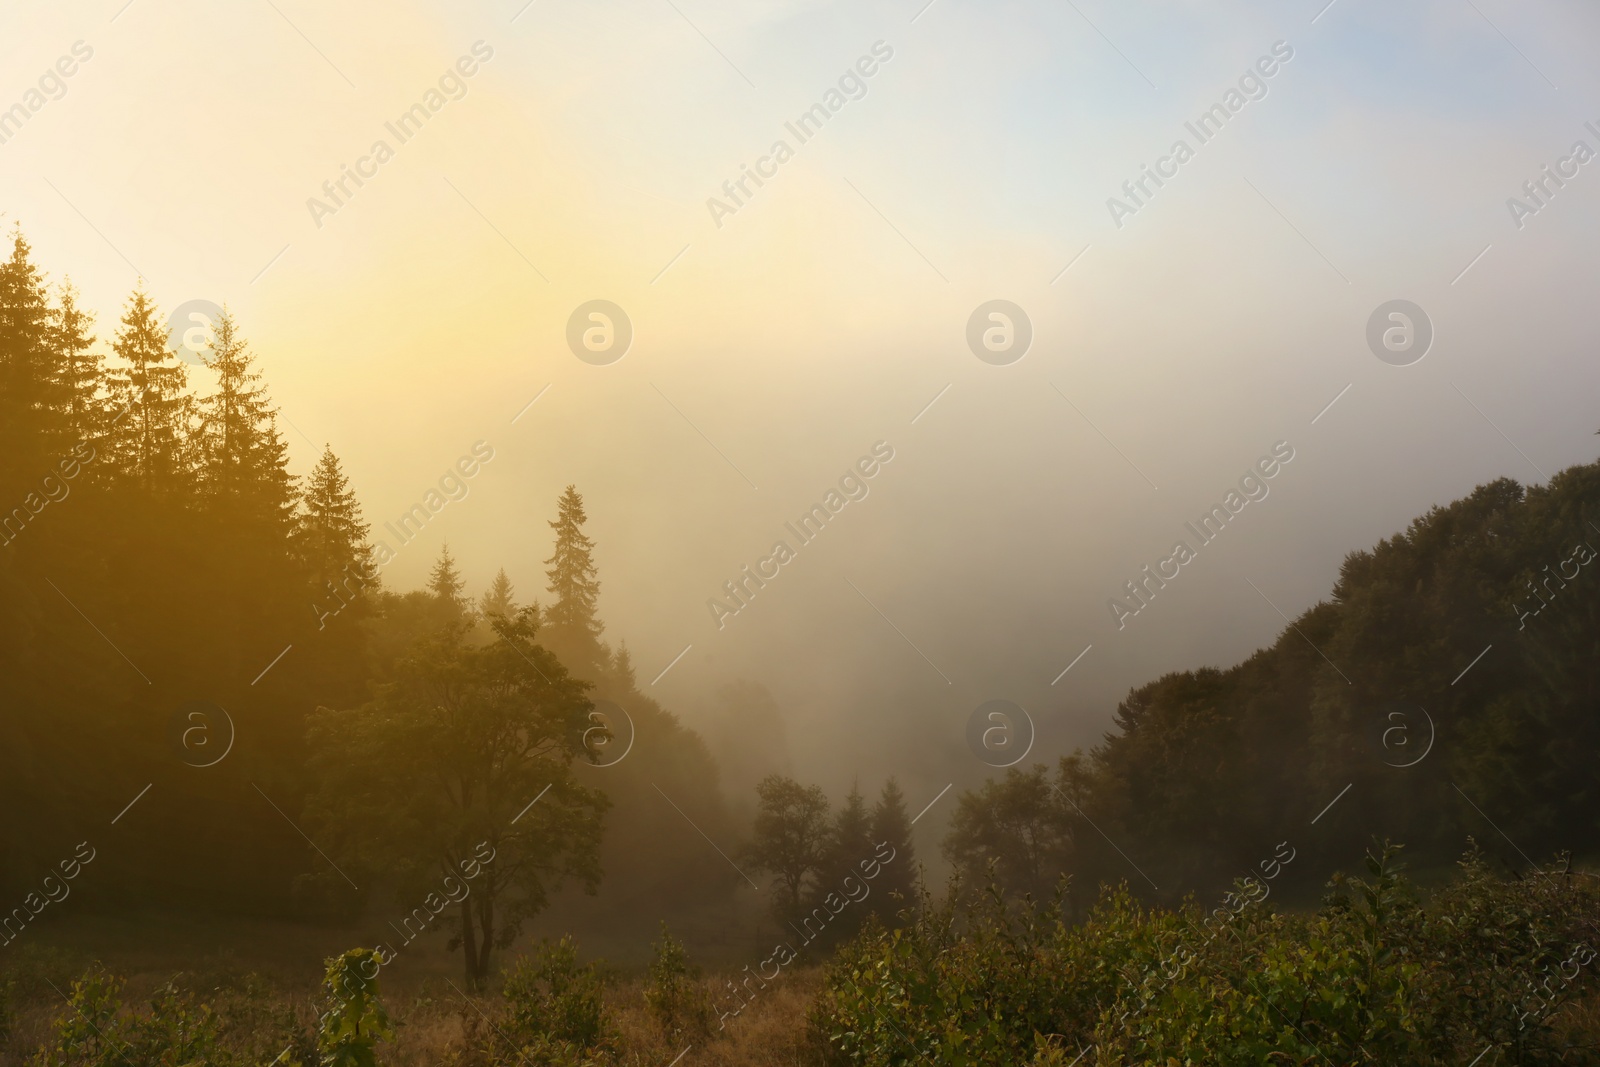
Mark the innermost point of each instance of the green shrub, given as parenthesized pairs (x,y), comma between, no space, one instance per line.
(85,1035)
(95,1032)
(1374,977)
(351,1028)
(550,997)
(674,998)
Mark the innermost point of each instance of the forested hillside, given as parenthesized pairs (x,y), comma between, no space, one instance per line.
(176,603)
(1449,685)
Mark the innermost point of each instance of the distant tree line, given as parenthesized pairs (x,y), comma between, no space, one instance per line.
(1375,698)
(817,858)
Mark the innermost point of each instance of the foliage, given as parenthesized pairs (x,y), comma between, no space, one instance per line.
(352,1026)
(94,1032)
(1374,977)
(1201,765)
(554,1001)
(574,626)
(445,581)
(792,838)
(499,598)
(891,823)
(85,1035)
(458,775)
(1020,825)
(673,995)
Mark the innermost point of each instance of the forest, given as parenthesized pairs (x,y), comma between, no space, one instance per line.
(214,706)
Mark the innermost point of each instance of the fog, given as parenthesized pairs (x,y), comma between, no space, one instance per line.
(775,346)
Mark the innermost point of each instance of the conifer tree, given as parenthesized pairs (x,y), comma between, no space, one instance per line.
(244,461)
(32,400)
(498,599)
(852,834)
(151,439)
(445,581)
(622,678)
(891,824)
(572,629)
(332,535)
(849,844)
(82,372)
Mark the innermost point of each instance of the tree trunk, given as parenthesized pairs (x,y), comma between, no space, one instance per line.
(486,927)
(469,947)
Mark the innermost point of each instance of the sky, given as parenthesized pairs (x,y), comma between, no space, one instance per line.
(780,336)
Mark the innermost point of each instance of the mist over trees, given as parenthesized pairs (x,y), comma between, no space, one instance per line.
(157,553)
(1376,698)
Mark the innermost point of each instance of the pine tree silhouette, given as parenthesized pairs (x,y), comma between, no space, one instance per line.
(244,461)
(332,535)
(891,824)
(151,439)
(498,599)
(572,629)
(445,580)
(33,398)
(82,371)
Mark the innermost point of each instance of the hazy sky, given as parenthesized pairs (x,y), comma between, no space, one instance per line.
(771,351)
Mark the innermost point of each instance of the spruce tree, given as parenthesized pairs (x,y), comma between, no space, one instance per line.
(345,586)
(852,833)
(891,825)
(498,599)
(622,678)
(244,461)
(445,581)
(33,428)
(151,439)
(82,372)
(572,629)
(849,844)
(332,536)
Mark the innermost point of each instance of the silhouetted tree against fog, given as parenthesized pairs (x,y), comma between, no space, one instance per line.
(897,884)
(445,581)
(793,835)
(572,626)
(498,599)
(448,760)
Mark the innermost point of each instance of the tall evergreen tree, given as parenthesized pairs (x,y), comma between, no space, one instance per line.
(151,383)
(890,823)
(82,371)
(572,628)
(32,398)
(445,581)
(345,585)
(849,844)
(333,539)
(498,599)
(244,461)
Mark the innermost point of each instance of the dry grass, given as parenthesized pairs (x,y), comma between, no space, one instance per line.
(437,1028)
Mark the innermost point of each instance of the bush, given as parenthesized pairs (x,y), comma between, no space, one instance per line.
(93,1032)
(1374,977)
(673,996)
(552,1000)
(350,1030)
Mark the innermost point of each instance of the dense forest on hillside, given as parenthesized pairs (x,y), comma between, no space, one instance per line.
(1449,686)
(167,582)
